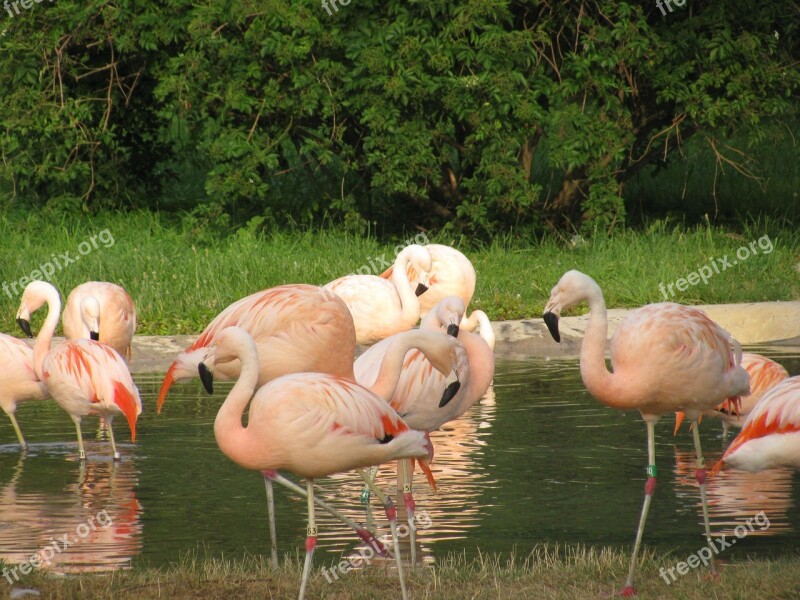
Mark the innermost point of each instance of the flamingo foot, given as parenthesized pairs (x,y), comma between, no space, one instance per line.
(371,541)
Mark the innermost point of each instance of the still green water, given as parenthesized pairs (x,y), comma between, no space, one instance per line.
(538,460)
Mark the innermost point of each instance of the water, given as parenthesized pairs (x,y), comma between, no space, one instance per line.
(536,461)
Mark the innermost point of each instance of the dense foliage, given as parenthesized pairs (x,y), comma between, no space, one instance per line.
(474,114)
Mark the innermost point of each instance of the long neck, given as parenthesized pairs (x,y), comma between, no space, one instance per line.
(392,364)
(481,368)
(596,376)
(232,437)
(480,321)
(42,345)
(409,303)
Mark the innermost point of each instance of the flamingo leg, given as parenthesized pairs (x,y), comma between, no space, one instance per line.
(273,536)
(366,535)
(725,430)
(18,431)
(81,452)
(111,437)
(311,538)
(408,498)
(365,499)
(649,488)
(700,475)
(391,514)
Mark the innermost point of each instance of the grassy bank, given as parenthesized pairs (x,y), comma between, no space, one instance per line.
(546,573)
(181,277)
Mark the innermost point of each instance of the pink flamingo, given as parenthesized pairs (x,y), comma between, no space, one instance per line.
(83,376)
(103,312)
(478,320)
(770,436)
(18,382)
(381,308)
(764,374)
(296,329)
(666,357)
(451,274)
(423,396)
(317,424)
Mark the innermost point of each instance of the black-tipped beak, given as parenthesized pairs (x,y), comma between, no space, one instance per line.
(551,320)
(452,330)
(207,377)
(94,335)
(449,393)
(421,289)
(25,326)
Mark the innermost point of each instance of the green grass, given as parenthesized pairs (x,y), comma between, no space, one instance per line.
(547,572)
(180,280)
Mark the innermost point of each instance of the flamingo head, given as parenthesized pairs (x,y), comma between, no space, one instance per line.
(229,345)
(90,314)
(419,259)
(573,288)
(34,297)
(446,314)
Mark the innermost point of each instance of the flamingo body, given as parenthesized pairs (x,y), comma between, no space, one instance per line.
(18,382)
(102,311)
(296,328)
(770,436)
(764,374)
(451,274)
(382,307)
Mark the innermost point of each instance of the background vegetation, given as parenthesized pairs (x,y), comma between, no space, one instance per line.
(473,117)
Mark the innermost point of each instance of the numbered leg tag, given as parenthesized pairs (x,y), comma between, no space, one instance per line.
(652,471)
(365,497)
(406,488)
(311,531)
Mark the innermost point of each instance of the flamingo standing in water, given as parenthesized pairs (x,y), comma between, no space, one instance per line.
(770,436)
(317,424)
(381,308)
(296,328)
(18,382)
(83,376)
(103,312)
(451,274)
(423,397)
(764,374)
(666,357)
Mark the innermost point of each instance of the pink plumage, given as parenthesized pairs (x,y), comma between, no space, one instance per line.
(18,383)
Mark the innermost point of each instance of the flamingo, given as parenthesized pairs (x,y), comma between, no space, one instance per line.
(478,320)
(317,424)
(770,436)
(764,374)
(297,328)
(103,312)
(381,308)
(451,274)
(18,382)
(423,396)
(83,376)
(666,357)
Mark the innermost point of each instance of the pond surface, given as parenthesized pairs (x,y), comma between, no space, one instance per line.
(538,460)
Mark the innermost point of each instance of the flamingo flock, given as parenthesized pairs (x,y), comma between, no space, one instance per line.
(315,410)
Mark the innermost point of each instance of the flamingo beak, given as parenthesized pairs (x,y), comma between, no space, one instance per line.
(25,325)
(94,335)
(421,289)
(452,330)
(551,320)
(449,393)
(207,377)
(678,420)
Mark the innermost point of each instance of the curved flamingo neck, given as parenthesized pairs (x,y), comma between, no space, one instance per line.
(481,367)
(232,437)
(42,345)
(480,321)
(409,302)
(392,363)
(600,382)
